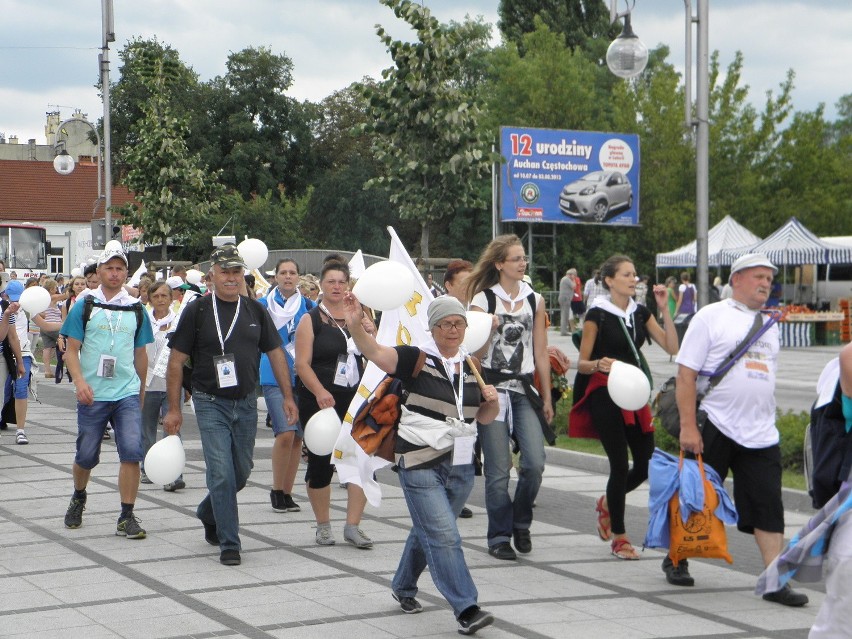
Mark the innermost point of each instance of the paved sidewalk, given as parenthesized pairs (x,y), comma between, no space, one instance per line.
(91,584)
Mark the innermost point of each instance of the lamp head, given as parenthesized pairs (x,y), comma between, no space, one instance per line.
(63,163)
(627,56)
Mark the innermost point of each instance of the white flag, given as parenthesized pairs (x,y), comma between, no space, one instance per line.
(404,325)
(356,265)
(134,281)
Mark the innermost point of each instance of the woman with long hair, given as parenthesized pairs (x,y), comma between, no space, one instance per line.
(515,351)
(75,286)
(615,329)
(329,367)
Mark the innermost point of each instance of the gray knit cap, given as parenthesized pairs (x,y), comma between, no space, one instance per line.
(442,307)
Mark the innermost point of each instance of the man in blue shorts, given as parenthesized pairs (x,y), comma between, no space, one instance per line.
(106,358)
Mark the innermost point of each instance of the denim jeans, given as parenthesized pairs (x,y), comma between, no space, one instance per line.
(435,497)
(504,513)
(92,420)
(228,428)
(155,406)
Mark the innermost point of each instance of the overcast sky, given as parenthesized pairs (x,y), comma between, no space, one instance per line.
(49,48)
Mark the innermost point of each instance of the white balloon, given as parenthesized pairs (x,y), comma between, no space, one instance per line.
(165,460)
(478,330)
(322,431)
(628,386)
(384,286)
(194,276)
(254,252)
(76,272)
(35,299)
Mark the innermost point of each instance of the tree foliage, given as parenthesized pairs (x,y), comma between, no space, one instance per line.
(174,190)
(425,123)
(581,22)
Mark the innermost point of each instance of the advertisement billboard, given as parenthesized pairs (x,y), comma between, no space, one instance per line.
(580,177)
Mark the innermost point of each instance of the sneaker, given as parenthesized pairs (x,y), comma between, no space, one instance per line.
(279,504)
(324,536)
(409,605)
(177,484)
(130,528)
(230,557)
(473,619)
(290,505)
(523,543)
(355,536)
(502,550)
(143,479)
(21,438)
(210,534)
(466,513)
(677,575)
(74,514)
(108,433)
(786,597)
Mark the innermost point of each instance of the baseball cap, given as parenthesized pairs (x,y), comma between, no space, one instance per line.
(110,253)
(227,256)
(750,260)
(175,281)
(442,307)
(14,289)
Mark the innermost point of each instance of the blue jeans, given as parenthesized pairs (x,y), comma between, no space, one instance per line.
(228,428)
(435,497)
(155,406)
(92,421)
(504,513)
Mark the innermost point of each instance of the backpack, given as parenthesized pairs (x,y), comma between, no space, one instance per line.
(89,304)
(828,450)
(375,424)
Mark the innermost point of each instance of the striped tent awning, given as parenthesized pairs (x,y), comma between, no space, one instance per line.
(794,244)
(726,235)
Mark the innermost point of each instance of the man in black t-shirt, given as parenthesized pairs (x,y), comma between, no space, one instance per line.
(224,334)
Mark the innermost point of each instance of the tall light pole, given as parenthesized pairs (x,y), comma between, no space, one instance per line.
(63,163)
(108,29)
(624,59)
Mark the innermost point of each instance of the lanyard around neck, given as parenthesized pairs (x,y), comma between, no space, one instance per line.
(449,367)
(219,327)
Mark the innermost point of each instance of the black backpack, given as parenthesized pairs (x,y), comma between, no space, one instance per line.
(830,450)
(89,303)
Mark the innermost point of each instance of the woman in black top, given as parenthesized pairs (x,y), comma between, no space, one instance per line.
(328,368)
(615,328)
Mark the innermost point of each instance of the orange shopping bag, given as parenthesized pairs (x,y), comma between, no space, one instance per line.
(703,534)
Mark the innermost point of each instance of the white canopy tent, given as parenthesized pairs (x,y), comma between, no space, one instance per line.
(794,245)
(728,234)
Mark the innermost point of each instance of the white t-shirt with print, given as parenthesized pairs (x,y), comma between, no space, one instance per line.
(742,405)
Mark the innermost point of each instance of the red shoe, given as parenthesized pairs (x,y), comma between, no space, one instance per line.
(603,526)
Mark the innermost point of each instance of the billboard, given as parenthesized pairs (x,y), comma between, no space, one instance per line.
(580,177)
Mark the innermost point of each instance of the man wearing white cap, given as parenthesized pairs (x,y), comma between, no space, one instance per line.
(106,337)
(739,433)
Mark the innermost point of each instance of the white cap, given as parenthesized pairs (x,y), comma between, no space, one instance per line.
(175,281)
(751,260)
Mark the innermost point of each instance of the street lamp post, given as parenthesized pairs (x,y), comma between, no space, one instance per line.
(624,59)
(108,30)
(63,163)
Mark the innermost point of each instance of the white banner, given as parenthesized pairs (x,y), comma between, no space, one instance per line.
(405,325)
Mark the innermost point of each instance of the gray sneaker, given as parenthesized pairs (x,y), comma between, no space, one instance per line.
(130,528)
(324,536)
(355,536)
(74,514)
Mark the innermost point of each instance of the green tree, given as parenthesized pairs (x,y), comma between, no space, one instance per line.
(169,183)
(582,23)
(426,124)
(131,91)
(258,136)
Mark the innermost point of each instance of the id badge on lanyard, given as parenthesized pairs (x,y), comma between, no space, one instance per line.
(225,364)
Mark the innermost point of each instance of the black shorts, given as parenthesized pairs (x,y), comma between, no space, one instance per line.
(757,479)
(578,307)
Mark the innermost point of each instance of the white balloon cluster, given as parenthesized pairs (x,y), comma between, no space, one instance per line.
(384,286)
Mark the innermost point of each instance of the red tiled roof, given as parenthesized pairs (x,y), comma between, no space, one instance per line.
(32,191)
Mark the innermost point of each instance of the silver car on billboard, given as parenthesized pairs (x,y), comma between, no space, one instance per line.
(595,195)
